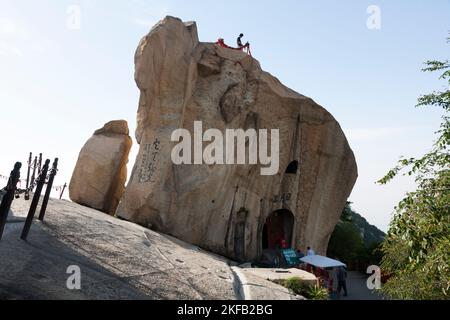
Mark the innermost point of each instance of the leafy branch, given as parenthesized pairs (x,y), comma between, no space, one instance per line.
(415,251)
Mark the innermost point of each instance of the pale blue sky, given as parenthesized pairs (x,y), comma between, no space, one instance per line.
(57,85)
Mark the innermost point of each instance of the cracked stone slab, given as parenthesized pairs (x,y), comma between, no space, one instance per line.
(254,287)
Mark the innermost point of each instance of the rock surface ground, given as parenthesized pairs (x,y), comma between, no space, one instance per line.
(117,259)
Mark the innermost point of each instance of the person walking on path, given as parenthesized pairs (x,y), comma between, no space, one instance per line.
(341,277)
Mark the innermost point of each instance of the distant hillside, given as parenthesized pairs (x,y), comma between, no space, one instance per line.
(355,241)
(369,233)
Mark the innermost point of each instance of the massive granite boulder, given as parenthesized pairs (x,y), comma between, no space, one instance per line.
(232,210)
(98,180)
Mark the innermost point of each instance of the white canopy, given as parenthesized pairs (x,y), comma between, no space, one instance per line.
(322,262)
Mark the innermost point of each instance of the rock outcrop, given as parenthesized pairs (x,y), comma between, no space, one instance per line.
(232,210)
(98,180)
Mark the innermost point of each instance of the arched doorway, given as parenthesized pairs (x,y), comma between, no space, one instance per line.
(292,168)
(279,226)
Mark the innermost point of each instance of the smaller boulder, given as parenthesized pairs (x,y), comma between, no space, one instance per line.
(98,180)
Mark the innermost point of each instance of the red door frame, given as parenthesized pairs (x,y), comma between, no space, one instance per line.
(276,229)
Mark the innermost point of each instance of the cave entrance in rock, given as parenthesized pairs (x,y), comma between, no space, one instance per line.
(278,227)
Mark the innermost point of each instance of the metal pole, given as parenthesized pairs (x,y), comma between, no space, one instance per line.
(34,202)
(62,191)
(28,171)
(27,194)
(40,162)
(53,171)
(33,176)
(9,196)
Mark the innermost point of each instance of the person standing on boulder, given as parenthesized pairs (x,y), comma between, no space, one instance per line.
(239,41)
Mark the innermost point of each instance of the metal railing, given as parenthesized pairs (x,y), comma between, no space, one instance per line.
(45,175)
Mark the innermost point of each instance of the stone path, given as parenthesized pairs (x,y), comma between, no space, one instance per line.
(357,288)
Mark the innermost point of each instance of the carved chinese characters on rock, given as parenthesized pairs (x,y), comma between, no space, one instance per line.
(281,198)
(149,161)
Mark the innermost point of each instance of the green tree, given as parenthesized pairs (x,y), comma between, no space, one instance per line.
(347,212)
(349,245)
(416,250)
(346,242)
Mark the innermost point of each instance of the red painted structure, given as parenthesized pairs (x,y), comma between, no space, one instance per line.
(277,233)
(220,42)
